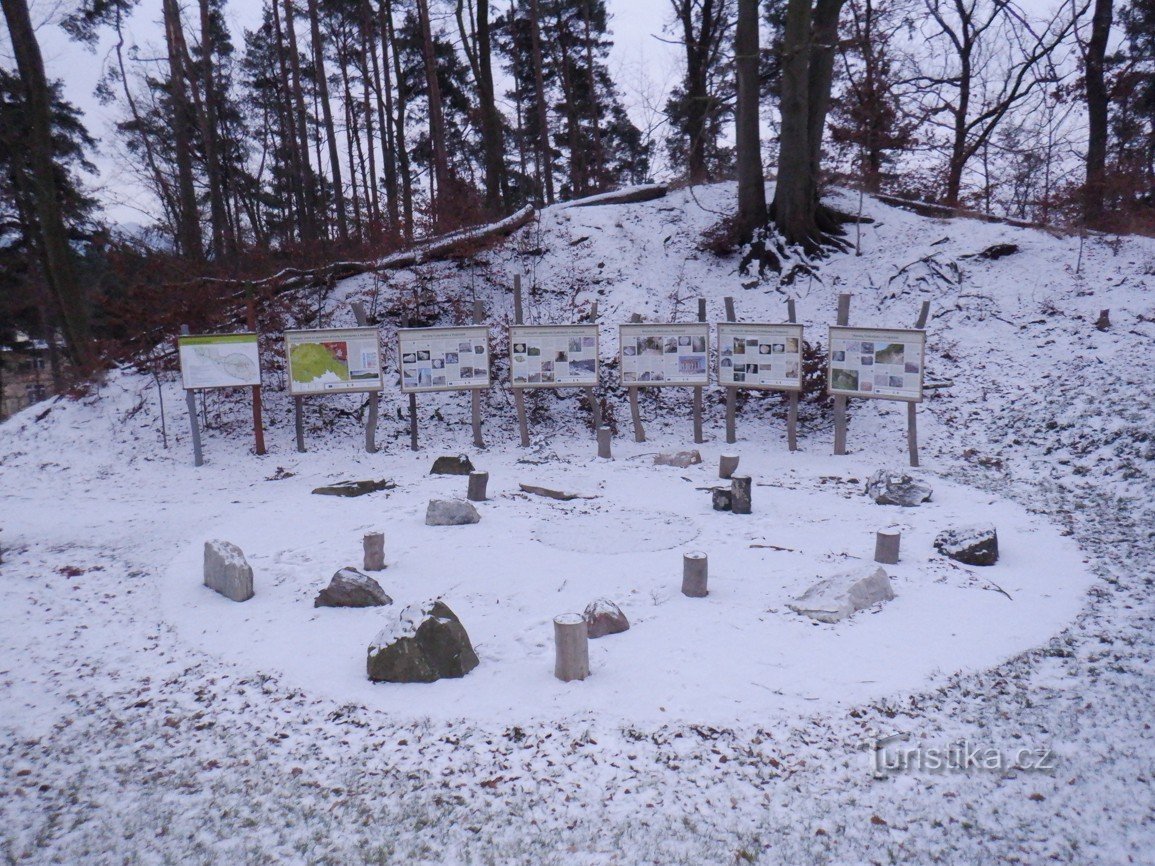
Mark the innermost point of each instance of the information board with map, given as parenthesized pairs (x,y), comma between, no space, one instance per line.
(760,356)
(554,356)
(218,360)
(883,363)
(660,355)
(336,360)
(444,359)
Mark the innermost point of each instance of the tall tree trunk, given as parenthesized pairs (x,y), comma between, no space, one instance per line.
(1097,113)
(188,233)
(597,165)
(367,114)
(481,63)
(223,241)
(436,118)
(327,118)
(399,125)
(59,268)
(301,115)
(751,181)
(823,45)
(542,113)
(383,85)
(288,132)
(696,86)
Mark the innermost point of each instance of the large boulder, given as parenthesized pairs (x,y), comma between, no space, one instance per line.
(446,465)
(889,487)
(970,545)
(227,571)
(450,512)
(835,598)
(351,588)
(354,488)
(604,617)
(680,459)
(426,643)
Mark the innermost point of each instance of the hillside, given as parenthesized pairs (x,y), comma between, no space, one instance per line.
(145,723)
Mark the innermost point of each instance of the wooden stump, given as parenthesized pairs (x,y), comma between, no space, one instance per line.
(722,498)
(605,435)
(694,574)
(886,543)
(374,544)
(740,494)
(571,647)
(727,463)
(477,482)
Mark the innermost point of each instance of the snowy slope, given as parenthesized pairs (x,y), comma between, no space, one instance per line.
(149,721)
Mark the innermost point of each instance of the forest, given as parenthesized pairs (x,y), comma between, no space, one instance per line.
(346,130)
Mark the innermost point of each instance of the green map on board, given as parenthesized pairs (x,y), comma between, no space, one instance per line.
(311,361)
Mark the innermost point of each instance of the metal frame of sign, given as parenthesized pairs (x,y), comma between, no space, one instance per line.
(774,334)
(521,333)
(875,335)
(333,335)
(246,338)
(699,330)
(459,334)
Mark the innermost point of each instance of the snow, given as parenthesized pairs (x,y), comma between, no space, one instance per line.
(146,719)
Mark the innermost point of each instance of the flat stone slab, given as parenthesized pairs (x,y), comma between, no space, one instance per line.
(354,488)
(550,493)
(835,598)
(227,571)
(350,588)
(681,459)
(447,465)
(450,512)
(970,545)
(891,487)
(426,643)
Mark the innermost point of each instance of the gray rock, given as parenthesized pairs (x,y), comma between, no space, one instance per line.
(354,488)
(450,512)
(445,465)
(970,545)
(604,617)
(550,493)
(888,487)
(227,571)
(835,598)
(681,459)
(351,588)
(723,498)
(426,643)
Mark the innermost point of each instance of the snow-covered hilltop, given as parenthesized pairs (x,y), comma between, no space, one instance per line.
(147,720)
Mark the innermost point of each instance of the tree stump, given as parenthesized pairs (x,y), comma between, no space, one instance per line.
(694,574)
(727,463)
(374,544)
(886,543)
(571,647)
(740,494)
(721,498)
(605,435)
(477,482)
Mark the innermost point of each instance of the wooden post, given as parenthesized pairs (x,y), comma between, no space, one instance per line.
(792,398)
(695,573)
(475,393)
(373,544)
(840,402)
(698,388)
(605,436)
(740,494)
(518,393)
(912,408)
(374,396)
(886,543)
(591,394)
(477,482)
(190,398)
(413,422)
(727,463)
(571,647)
(636,415)
(731,393)
(258,426)
(299,422)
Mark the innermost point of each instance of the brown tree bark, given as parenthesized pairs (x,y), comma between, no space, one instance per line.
(1097,113)
(188,233)
(406,176)
(327,118)
(436,117)
(544,160)
(300,113)
(751,181)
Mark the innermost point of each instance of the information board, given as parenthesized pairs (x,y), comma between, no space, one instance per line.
(218,360)
(659,355)
(760,356)
(444,359)
(337,360)
(883,363)
(554,356)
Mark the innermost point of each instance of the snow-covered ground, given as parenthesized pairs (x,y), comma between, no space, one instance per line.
(148,720)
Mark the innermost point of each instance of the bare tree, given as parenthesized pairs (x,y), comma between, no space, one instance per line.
(751,181)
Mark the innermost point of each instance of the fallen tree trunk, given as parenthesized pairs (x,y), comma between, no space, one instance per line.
(629,195)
